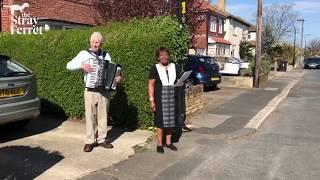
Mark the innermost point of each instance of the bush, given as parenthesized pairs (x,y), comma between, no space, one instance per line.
(265,67)
(131,44)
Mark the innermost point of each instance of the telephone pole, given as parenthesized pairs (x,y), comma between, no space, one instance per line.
(302,29)
(258,45)
(294,46)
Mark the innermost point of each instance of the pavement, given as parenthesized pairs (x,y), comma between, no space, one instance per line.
(215,132)
(52,149)
(246,110)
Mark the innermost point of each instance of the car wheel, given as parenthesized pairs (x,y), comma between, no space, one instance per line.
(19,124)
(214,86)
(242,72)
(207,88)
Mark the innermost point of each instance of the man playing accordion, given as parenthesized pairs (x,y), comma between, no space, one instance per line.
(96,99)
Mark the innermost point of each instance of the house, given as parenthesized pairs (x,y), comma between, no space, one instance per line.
(59,14)
(236,31)
(209,37)
(220,33)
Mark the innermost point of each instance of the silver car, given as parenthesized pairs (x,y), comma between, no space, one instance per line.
(19,101)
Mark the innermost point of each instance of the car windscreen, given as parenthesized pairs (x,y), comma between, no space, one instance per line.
(207,60)
(312,60)
(9,68)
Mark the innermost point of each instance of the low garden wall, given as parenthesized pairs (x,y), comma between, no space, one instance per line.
(241,81)
(194,99)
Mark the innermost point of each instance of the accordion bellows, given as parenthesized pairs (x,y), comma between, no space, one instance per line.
(103,74)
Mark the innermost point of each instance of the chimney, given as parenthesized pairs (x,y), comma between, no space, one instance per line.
(221,4)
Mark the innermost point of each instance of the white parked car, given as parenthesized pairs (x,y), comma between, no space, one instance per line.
(234,66)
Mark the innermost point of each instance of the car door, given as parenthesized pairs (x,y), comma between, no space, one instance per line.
(17,83)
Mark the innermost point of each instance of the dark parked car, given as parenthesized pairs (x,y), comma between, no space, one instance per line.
(205,70)
(313,62)
(19,101)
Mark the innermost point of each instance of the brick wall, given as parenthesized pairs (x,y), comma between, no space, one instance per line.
(5,16)
(194,99)
(200,38)
(73,11)
(78,11)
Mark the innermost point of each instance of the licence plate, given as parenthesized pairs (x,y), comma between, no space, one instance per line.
(215,79)
(5,93)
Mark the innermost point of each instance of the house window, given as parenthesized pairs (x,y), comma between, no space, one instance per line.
(220,26)
(249,36)
(234,31)
(213,24)
(233,50)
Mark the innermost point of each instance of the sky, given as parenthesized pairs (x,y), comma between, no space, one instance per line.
(308,9)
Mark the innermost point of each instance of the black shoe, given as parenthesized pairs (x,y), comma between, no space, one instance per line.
(187,128)
(172,147)
(160,149)
(106,145)
(88,147)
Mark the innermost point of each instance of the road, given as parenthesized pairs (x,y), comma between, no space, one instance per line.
(287,146)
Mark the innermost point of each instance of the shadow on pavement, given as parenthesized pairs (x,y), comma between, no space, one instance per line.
(24,162)
(36,126)
(114,133)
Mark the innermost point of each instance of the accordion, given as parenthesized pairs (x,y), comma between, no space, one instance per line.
(103,74)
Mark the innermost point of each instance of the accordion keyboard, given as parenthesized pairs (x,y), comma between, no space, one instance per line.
(92,77)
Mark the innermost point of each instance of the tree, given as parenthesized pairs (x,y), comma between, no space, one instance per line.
(288,52)
(278,20)
(246,50)
(313,49)
(122,10)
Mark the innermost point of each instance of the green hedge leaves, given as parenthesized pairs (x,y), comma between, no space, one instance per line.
(131,44)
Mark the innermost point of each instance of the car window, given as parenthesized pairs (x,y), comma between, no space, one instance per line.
(211,60)
(313,60)
(234,61)
(9,68)
(202,60)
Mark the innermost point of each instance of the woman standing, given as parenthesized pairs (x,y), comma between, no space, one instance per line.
(163,76)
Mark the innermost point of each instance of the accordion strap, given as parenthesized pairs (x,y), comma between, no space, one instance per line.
(104,54)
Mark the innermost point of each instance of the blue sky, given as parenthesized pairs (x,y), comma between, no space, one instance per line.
(309,9)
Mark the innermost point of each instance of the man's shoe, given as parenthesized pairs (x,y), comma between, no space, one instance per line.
(160,149)
(106,145)
(88,147)
(172,147)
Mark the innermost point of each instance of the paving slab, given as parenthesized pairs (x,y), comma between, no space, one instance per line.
(57,153)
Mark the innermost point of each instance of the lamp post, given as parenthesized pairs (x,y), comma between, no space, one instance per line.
(305,43)
(182,9)
(294,45)
(302,29)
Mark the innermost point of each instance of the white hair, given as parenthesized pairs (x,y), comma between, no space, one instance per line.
(97,35)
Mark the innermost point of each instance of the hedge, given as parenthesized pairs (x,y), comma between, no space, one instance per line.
(131,44)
